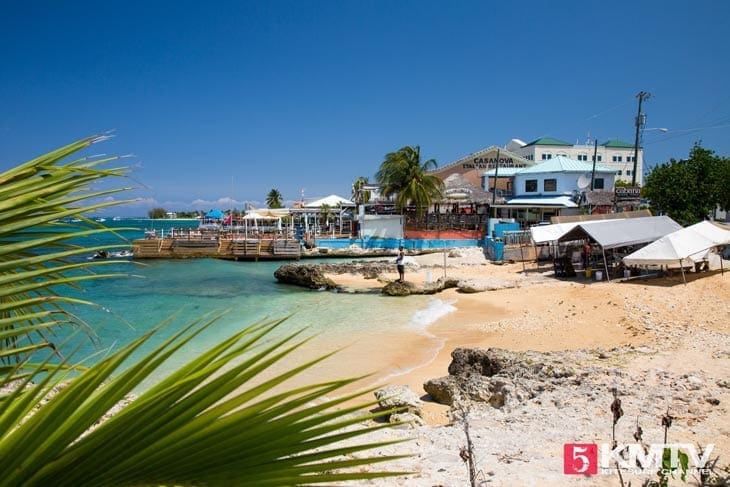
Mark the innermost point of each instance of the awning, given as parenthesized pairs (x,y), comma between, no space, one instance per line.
(550,202)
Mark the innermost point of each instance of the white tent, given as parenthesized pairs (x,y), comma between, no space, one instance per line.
(331,201)
(610,234)
(549,233)
(262,215)
(683,247)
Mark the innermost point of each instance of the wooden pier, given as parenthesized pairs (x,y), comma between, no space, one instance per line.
(188,247)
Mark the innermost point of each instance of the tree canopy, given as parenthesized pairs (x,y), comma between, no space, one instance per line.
(359,195)
(273,199)
(689,190)
(156,213)
(403,174)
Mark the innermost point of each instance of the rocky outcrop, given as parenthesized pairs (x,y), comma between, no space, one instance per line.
(397,288)
(497,377)
(313,276)
(309,276)
(481,285)
(405,400)
(406,288)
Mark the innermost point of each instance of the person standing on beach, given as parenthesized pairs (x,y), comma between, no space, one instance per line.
(399,264)
(587,255)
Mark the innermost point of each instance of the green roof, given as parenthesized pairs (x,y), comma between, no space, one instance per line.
(548,141)
(618,144)
(563,164)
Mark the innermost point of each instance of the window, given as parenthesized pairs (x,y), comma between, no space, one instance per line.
(629,158)
(600,158)
(582,157)
(598,183)
(628,172)
(617,159)
(546,156)
(550,185)
(531,186)
(619,172)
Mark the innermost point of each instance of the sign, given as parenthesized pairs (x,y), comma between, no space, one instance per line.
(627,193)
(490,163)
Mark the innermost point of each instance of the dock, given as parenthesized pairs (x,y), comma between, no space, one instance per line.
(192,247)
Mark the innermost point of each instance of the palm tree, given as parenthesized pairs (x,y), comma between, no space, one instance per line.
(403,174)
(204,424)
(325,212)
(359,195)
(273,199)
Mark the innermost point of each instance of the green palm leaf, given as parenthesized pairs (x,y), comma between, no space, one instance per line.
(214,421)
(403,174)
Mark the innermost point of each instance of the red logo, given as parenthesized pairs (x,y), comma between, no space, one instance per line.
(580,458)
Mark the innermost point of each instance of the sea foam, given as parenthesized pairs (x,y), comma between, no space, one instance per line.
(435,310)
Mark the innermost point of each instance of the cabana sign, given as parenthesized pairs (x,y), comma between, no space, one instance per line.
(627,193)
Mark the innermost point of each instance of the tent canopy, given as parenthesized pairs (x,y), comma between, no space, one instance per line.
(689,244)
(611,234)
(255,215)
(549,233)
(216,213)
(331,201)
(270,212)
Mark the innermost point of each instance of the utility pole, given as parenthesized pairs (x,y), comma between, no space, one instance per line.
(639,122)
(595,154)
(494,188)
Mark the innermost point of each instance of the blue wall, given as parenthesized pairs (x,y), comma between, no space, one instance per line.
(495,246)
(394,243)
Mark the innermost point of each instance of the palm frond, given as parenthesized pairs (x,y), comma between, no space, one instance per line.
(37,198)
(186,430)
(214,421)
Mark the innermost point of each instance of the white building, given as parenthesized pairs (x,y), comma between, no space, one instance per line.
(614,154)
(555,186)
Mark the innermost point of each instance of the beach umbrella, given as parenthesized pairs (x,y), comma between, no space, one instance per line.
(218,214)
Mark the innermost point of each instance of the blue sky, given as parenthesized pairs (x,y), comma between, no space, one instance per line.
(224,101)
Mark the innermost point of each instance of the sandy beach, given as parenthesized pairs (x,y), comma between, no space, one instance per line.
(663,344)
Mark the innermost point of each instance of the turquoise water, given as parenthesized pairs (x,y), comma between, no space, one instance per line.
(366,325)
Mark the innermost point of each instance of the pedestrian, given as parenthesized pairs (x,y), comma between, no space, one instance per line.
(399,263)
(587,255)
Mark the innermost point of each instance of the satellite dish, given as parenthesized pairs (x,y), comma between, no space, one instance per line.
(584,181)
